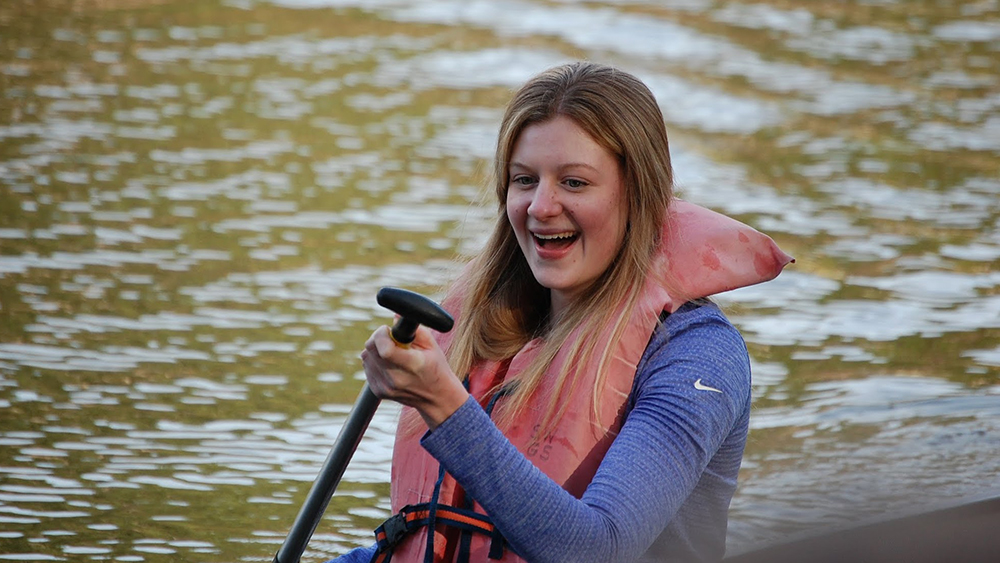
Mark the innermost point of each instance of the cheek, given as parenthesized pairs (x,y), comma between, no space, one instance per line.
(615,224)
(516,212)
(615,216)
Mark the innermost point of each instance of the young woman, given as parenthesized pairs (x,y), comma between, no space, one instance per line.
(590,404)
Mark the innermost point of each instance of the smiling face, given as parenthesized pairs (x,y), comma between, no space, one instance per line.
(566,202)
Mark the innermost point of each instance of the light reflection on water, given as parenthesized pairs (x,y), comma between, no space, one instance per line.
(197,208)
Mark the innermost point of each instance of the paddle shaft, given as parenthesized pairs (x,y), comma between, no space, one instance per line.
(414,310)
(329,477)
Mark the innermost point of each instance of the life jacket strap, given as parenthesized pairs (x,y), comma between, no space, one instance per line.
(415,516)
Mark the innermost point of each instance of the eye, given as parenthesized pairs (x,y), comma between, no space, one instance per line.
(522,180)
(575,184)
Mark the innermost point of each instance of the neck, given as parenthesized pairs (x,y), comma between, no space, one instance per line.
(558,304)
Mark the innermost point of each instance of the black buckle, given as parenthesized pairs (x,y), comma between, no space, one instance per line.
(394,528)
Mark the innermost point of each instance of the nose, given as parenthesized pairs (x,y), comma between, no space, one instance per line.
(545,200)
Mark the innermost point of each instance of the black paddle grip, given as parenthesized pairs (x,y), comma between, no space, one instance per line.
(413,310)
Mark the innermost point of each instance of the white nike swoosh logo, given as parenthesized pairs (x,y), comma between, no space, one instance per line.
(702,387)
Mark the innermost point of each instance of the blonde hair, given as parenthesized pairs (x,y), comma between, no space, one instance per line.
(505,307)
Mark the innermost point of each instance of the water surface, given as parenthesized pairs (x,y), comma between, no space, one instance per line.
(199,200)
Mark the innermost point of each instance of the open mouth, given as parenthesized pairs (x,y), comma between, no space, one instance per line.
(555,241)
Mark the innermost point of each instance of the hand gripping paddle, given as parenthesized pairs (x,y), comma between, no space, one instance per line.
(413,310)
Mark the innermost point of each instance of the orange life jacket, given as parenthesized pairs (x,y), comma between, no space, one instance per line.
(702,253)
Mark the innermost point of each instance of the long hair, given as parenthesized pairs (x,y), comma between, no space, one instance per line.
(504,307)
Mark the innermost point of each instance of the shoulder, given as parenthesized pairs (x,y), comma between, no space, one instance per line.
(698,324)
(694,348)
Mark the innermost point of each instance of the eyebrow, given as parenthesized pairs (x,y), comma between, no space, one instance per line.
(561,168)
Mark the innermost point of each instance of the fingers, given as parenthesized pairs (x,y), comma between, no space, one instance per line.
(403,373)
(388,366)
(379,380)
(423,338)
(382,344)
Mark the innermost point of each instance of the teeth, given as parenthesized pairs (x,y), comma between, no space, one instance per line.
(556,236)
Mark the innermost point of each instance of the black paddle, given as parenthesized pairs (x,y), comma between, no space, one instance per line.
(413,310)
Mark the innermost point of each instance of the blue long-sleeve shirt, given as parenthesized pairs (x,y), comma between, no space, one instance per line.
(662,491)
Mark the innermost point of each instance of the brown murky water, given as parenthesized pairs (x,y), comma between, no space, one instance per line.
(199,200)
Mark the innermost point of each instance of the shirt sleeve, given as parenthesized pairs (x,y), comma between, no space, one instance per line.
(692,387)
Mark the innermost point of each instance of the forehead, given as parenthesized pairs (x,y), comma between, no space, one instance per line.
(559,138)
